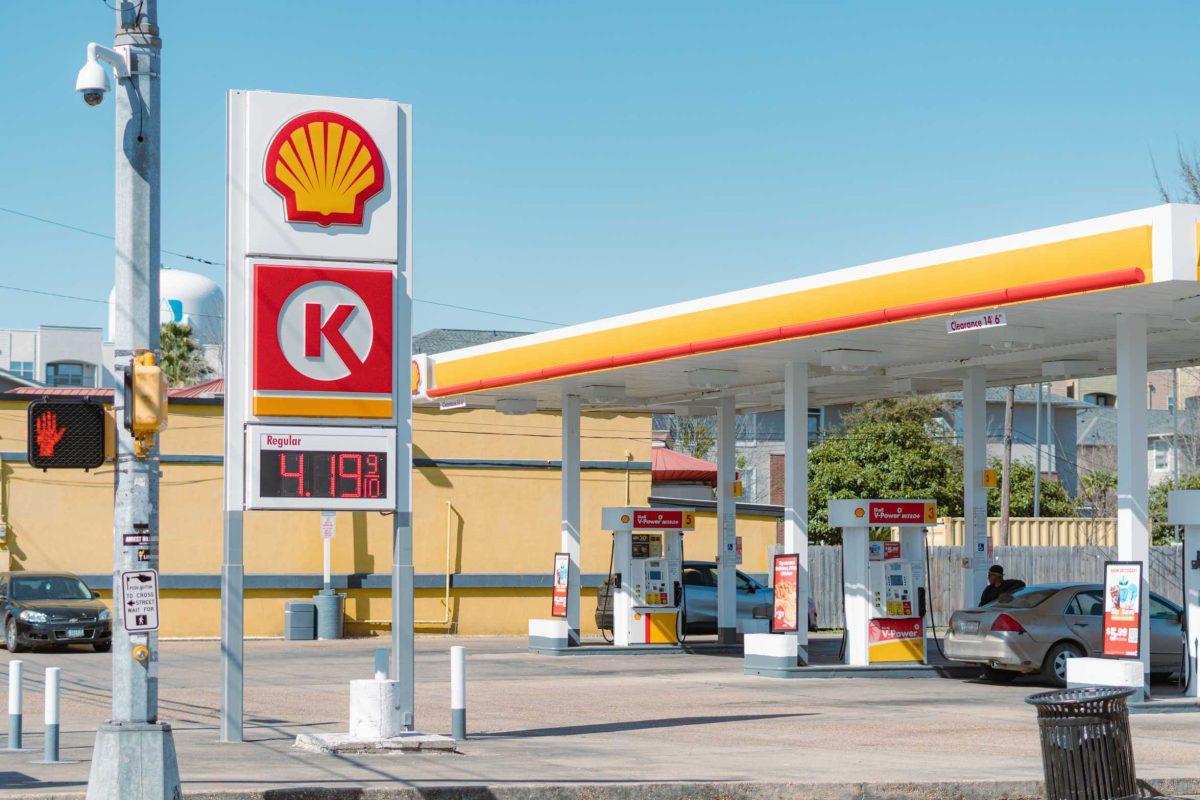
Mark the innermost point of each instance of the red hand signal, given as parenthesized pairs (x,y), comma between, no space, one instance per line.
(48,434)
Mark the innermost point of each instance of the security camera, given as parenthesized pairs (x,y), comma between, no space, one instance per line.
(92,81)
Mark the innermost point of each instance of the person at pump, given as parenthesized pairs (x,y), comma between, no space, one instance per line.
(998,586)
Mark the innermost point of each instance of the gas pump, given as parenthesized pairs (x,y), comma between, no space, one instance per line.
(1183,508)
(647,579)
(884,581)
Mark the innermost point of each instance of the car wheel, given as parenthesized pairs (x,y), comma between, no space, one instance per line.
(102,647)
(993,675)
(11,643)
(1054,668)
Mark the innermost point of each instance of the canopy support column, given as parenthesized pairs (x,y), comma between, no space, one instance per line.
(1133,488)
(570,509)
(795,487)
(974,434)
(726,522)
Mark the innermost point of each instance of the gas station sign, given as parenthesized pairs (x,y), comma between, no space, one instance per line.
(1122,609)
(299,467)
(648,519)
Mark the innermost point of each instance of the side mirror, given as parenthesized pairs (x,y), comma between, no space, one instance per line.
(95,595)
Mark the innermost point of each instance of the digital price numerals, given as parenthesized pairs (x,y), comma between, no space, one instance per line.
(333,474)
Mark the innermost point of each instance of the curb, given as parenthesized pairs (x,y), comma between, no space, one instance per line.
(683,790)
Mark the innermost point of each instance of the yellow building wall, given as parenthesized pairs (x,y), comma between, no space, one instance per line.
(496,520)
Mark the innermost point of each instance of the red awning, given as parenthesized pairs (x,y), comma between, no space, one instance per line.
(671,466)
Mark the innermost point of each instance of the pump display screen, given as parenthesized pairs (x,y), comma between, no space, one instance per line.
(322,474)
(655,575)
(320,468)
(895,580)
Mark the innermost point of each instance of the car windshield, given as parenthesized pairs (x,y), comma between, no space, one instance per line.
(1025,598)
(49,587)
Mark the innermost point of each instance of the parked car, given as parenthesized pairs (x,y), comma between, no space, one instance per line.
(700,599)
(44,609)
(1037,629)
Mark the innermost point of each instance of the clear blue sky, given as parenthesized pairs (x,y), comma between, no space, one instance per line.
(576,160)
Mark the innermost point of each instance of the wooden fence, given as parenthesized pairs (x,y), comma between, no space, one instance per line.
(1029,564)
(1041,531)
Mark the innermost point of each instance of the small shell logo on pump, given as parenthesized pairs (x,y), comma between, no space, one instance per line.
(326,167)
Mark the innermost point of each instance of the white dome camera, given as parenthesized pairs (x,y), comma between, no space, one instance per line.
(93,81)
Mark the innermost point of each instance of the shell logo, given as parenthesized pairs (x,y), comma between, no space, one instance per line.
(416,377)
(859,512)
(326,167)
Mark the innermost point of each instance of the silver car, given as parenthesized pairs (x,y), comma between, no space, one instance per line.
(1038,628)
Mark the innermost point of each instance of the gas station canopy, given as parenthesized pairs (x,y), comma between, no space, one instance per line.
(870,331)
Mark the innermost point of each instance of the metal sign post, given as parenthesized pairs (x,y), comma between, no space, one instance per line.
(318,320)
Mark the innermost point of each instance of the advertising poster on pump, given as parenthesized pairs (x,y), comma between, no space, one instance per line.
(785,617)
(562,567)
(1122,609)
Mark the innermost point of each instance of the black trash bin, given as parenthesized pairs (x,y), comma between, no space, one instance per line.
(1087,752)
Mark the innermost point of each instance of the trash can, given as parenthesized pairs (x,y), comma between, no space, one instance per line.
(1087,752)
(299,620)
(329,614)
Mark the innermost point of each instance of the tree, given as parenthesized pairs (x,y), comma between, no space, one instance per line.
(182,358)
(890,448)
(1187,169)
(694,436)
(1055,502)
(1098,492)
(1160,531)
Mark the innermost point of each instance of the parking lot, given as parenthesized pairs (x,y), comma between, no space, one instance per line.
(544,720)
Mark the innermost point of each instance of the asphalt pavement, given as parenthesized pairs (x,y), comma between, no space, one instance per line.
(538,721)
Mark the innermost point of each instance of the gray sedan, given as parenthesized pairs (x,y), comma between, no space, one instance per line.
(1039,628)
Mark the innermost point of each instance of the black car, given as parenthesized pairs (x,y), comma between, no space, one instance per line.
(46,609)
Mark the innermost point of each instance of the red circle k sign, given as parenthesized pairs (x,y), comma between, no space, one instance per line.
(322,330)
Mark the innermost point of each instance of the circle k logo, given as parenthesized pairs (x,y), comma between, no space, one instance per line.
(320,329)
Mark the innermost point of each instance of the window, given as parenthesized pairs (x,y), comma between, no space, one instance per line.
(50,587)
(1026,598)
(1162,455)
(22,369)
(69,373)
(1087,604)
(744,584)
(699,576)
(1100,399)
(1161,609)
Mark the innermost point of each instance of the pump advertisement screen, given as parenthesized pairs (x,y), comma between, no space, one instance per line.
(785,617)
(1122,609)
(562,577)
(656,519)
(901,512)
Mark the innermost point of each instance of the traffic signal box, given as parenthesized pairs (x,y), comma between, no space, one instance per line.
(146,409)
(66,433)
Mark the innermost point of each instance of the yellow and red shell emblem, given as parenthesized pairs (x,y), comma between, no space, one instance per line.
(326,167)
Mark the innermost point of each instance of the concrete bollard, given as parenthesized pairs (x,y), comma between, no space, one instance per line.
(381,663)
(51,739)
(16,671)
(458,692)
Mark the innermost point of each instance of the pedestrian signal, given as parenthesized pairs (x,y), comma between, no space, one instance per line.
(66,434)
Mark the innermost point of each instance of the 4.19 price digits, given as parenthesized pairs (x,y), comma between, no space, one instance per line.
(323,474)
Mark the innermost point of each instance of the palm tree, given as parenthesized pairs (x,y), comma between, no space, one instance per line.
(182,358)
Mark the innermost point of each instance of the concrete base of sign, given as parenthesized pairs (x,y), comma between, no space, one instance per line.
(550,634)
(134,761)
(872,671)
(774,651)
(373,705)
(1120,672)
(343,743)
(1167,705)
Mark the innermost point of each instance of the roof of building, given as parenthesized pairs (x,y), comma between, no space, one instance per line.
(672,466)
(214,388)
(1025,395)
(1097,425)
(209,388)
(442,340)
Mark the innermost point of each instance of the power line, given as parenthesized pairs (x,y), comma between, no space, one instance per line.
(208,262)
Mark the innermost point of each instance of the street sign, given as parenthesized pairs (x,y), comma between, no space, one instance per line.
(139,600)
(65,434)
(328,524)
(305,467)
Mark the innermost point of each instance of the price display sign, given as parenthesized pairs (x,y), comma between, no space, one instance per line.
(331,469)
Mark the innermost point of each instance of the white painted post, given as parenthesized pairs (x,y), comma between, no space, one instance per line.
(1133,488)
(726,522)
(458,692)
(16,672)
(974,433)
(1191,603)
(570,509)
(50,741)
(856,599)
(381,663)
(795,487)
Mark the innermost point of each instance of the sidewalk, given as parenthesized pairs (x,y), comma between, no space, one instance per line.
(692,722)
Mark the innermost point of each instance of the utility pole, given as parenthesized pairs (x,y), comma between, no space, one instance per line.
(134,755)
(1006,467)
